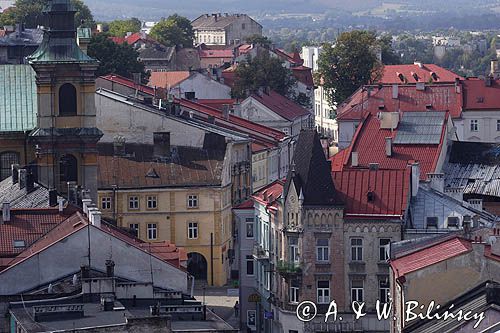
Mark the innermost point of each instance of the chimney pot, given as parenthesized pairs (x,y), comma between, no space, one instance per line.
(15,173)
(85,204)
(22,178)
(52,198)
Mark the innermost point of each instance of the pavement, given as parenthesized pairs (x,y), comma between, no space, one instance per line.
(217,300)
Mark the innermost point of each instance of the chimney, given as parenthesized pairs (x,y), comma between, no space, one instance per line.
(418,63)
(495,245)
(225,111)
(5,212)
(494,66)
(85,204)
(22,178)
(95,217)
(388,146)
(395,91)
(354,159)
(467,224)
(110,268)
(61,205)
(30,182)
(52,197)
(15,173)
(415,178)
(436,181)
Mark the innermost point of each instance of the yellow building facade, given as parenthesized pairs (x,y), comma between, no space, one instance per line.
(197,219)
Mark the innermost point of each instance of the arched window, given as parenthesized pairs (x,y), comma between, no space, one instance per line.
(67,100)
(68,168)
(6,160)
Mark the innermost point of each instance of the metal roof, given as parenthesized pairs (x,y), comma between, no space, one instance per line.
(420,128)
(18,99)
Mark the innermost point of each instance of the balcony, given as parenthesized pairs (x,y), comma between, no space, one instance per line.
(288,270)
(292,228)
(260,253)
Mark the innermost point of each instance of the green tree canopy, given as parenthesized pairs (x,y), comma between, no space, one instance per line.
(263,71)
(30,13)
(114,58)
(349,64)
(174,31)
(257,39)
(389,57)
(119,28)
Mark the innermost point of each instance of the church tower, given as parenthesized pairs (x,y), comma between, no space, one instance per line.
(66,135)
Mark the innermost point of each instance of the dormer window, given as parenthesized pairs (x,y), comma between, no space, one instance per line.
(432,222)
(453,221)
(67,100)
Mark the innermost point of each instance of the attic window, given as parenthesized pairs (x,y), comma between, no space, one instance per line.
(381,107)
(453,221)
(428,106)
(432,222)
(480,99)
(370,196)
(434,76)
(18,244)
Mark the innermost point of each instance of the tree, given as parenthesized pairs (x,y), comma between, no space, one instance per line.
(115,58)
(349,64)
(174,31)
(389,57)
(263,71)
(261,40)
(29,12)
(119,28)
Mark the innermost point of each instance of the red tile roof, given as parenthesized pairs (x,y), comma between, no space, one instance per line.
(163,250)
(478,96)
(390,190)
(217,103)
(303,74)
(167,79)
(28,225)
(293,58)
(245,205)
(442,97)
(118,40)
(128,83)
(414,73)
(254,130)
(268,195)
(430,256)
(227,54)
(281,105)
(229,77)
(369,142)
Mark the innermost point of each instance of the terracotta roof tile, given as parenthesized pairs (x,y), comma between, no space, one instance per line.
(128,83)
(228,54)
(269,194)
(167,79)
(478,96)
(281,105)
(430,256)
(413,73)
(389,192)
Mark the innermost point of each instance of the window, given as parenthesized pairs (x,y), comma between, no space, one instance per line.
(68,168)
(190,95)
(243,26)
(357,290)
(294,249)
(161,144)
(192,201)
(193,230)
(383,249)
(453,221)
(498,125)
(356,249)
(134,227)
(323,292)
(322,249)
(106,203)
(383,290)
(294,295)
(285,130)
(152,202)
(6,161)
(67,100)
(250,265)
(152,231)
(432,222)
(18,244)
(474,127)
(251,314)
(249,227)
(133,202)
